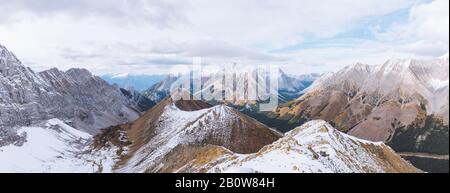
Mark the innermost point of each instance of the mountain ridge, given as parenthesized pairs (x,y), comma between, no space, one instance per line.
(76,96)
(313,147)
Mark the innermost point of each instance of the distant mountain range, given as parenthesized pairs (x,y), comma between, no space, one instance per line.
(289,86)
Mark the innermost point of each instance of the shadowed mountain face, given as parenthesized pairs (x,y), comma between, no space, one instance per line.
(137,100)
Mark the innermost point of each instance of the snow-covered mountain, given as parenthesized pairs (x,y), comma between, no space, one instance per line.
(401,102)
(170,124)
(75,96)
(161,89)
(315,147)
(292,86)
(289,86)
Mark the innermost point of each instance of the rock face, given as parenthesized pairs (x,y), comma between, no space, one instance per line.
(314,147)
(76,96)
(170,124)
(392,102)
(140,102)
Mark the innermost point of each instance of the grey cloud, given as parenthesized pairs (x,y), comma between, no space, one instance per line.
(162,13)
(77,56)
(169,60)
(158,60)
(208,48)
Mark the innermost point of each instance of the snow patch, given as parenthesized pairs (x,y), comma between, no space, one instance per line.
(55,147)
(437,84)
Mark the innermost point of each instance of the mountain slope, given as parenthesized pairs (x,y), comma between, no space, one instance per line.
(170,124)
(54,146)
(161,89)
(314,147)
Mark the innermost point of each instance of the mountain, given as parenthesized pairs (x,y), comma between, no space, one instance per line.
(160,90)
(315,147)
(292,86)
(401,102)
(77,97)
(139,82)
(140,102)
(289,86)
(170,124)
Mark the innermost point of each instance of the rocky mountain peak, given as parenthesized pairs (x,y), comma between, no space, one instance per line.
(5,54)
(75,96)
(10,66)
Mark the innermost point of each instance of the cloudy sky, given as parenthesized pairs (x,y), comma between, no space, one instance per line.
(150,36)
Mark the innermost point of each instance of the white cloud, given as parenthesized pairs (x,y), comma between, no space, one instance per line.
(107,35)
(427,31)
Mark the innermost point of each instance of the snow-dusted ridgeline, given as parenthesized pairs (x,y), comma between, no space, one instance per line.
(315,147)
